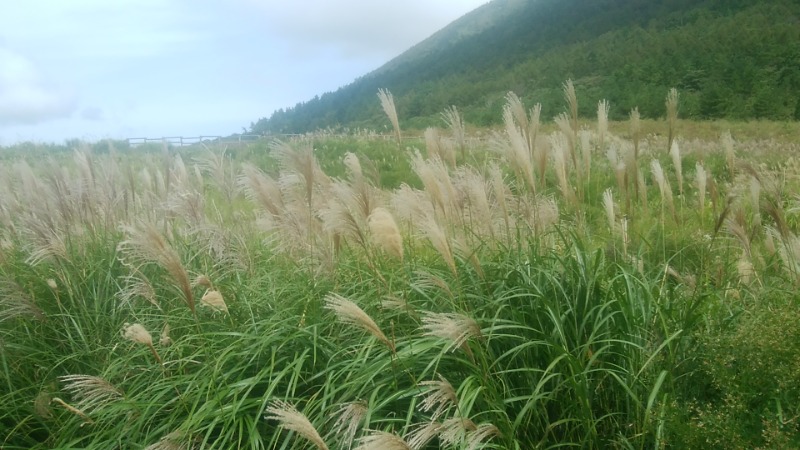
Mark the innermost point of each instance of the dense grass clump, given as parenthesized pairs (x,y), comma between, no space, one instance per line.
(538,287)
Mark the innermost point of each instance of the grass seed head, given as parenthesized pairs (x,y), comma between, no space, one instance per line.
(385,233)
(137,333)
(214,300)
(438,396)
(350,313)
(90,392)
(350,417)
(291,419)
(381,440)
(456,328)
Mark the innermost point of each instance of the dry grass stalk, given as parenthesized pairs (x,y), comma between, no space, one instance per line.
(349,313)
(423,433)
(291,419)
(452,327)
(499,187)
(213,299)
(90,392)
(675,153)
(559,155)
(517,151)
(572,105)
(16,303)
(455,430)
(602,122)
(436,179)
(350,416)
(476,191)
(353,165)
(608,205)
(381,440)
(175,440)
(165,340)
(730,154)
(755,199)
(387,103)
(73,410)
(261,189)
(438,238)
(700,179)
(438,397)
(137,286)
(301,163)
(735,226)
(452,118)
(514,104)
(745,269)
(671,104)
(138,334)
(584,136)
(146,244)
(663,187)
(481,434)
(385,233)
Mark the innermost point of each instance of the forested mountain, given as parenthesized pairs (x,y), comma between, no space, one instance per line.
(737,59)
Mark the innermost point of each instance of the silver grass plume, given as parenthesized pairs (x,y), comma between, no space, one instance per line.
(481,434)
(700,179)
(452,118)
(675,153)
(559,155)
(438,397)
(139,334)
(423,433)
(350,416)
(16,303)
(387,103)
(608,205)
(385,233)
(663,186)
(730,154)
(349,313)
(499,191)
(260,188)
(382,440)
(90,392)
(602,122)
(291,419)
(145,244)
(438,238)
(517,151)
(175,440)
(755,198)
(455,328)
(671,104)
(584,136)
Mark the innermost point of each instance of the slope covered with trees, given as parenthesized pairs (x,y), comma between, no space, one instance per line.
(736,59)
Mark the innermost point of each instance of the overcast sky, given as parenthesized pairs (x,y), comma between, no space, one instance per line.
(94,69)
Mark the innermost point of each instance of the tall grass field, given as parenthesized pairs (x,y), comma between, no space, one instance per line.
(571,283)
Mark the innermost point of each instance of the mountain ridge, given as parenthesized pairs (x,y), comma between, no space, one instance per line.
(729,58)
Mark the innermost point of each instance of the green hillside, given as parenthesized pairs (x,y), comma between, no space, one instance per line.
(737,59)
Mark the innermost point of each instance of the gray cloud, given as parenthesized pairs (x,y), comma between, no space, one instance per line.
(26,97)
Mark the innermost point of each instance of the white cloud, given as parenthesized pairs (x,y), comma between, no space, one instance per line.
(26,97)
(377,28)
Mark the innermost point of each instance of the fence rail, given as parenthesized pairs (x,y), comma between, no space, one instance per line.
(193,140)
(182,141)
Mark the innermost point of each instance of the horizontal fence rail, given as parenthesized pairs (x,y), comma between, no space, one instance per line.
(181,141)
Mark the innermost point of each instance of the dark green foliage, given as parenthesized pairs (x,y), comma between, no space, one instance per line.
(732,59)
